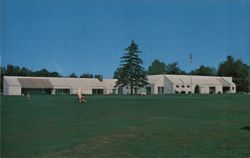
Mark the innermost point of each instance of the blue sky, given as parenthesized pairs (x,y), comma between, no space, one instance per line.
(84,36)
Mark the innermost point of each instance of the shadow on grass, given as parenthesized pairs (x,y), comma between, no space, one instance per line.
(246,128)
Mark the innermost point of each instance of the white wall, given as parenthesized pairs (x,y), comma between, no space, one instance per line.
(11,90)
(5,88)
(233,89)
(109,90)
(159,83)
(204,89)
(168,86)
(84,91)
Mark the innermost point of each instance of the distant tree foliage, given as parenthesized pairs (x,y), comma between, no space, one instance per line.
(157,67)
(99,77)
(87,75)
(131,72)
(174,69)
(205,71)
(73,75)
(12,70)
(238,70)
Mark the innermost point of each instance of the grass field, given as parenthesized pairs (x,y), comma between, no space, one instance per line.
(126,127)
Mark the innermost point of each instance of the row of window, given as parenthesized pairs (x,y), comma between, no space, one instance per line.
(182,92)
(182,86)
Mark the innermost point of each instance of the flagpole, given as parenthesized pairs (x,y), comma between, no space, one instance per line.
(190,58)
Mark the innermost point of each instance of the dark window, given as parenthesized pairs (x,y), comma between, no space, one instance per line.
(212,90)
(177,86)
(182,86)
(62,91)
(114,91)
(232,88)
(120,90)
(160,90)
(148,90)
(183,92)
(188,86)
(225,89)
(97,91)
(35,91)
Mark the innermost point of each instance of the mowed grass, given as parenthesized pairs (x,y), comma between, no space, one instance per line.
(126,126)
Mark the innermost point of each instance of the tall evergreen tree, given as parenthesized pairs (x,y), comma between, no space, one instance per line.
(131,72)
(116,73)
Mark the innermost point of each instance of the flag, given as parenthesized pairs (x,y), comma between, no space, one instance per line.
(190,58)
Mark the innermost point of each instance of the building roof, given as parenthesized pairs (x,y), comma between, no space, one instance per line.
(109,83)
(93,83)
(59,82)
(35,83)
(152,79)
(200,80)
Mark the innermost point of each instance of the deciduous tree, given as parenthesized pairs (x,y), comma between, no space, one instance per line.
(157,67)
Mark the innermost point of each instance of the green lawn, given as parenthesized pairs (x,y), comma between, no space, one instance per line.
(126,127)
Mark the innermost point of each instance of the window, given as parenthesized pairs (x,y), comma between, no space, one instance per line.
(212,90)
(182,86)
(148,90)
(177,86)
(120,90)
(160,90)
(97,91)
(232,88)
(225,89)
(188,86)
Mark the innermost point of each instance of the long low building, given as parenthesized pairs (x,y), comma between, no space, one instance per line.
(18,85)
(158,84)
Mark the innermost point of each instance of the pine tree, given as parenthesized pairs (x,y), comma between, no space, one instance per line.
(131,73)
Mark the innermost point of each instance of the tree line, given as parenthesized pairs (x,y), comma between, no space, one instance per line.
(12,70)
(131,72)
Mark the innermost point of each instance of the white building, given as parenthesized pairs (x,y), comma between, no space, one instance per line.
(17,85)
(158,84)
(176,84)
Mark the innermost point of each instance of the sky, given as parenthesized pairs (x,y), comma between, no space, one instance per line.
(89,36)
